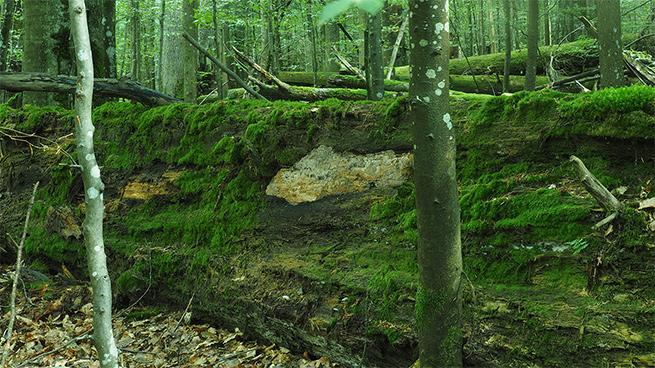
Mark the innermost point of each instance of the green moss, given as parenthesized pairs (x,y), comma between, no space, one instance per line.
(140,315)
(617,112)
(429,305)
(50,246)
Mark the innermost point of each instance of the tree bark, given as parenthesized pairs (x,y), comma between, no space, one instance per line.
(42,82)
(44,22)
(5,32)
(172,64)
(135,40)
(610,47)
(190,52)
(508,46)
(103,337)
(438,300)
(374,64)
(533,38)
(596,188)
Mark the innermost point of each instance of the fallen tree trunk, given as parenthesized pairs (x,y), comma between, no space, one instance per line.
(42,82)
(573,57)
(487,84)
(309,94)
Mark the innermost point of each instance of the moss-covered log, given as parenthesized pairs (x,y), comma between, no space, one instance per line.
(487,84)
(572,58)
(42,82)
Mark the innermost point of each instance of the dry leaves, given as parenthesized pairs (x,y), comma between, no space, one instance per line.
(50,333)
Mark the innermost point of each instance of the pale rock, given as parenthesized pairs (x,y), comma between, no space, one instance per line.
(324,172)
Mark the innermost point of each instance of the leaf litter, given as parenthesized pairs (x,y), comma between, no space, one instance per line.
(54,324)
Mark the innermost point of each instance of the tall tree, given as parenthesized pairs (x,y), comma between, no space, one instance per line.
(374,61)
(438,300)
(103,337)
(172,68)
(45,45)
(5,31)
(508,45)
(610,47)
(135,40)
(533,38)
(102,31)
(190,53)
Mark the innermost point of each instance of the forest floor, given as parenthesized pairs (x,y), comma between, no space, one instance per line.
(54,323)
(188,219)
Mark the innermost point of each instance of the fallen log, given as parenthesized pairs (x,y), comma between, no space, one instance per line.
(598,191)
(224,68)
(119,88)
(309,94)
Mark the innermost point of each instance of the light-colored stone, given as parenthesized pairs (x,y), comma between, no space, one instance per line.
(324,172)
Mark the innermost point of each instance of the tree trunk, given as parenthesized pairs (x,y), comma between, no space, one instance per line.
(547,24)
(220,76)
(5,32)
(508,46)
(610,47)
(44,22)
(533,38)
(172,69)
(103,337)
(102,30)
(374,64)
(190,52)
(135,40)
(438,300)
(162,19)
(331,39)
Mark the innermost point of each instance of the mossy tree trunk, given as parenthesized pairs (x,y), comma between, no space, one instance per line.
(438,300)
(533,38)
(610,48)
(374,62)
(190,53)
(135,40)
(508,46)
(5,31)
(102,30)
(44,23)
(103,337)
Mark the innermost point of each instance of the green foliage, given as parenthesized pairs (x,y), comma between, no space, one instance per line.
(337,7)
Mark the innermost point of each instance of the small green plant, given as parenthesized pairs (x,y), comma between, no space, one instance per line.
(578,245)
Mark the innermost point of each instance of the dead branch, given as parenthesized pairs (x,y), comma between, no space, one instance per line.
(19,260)
(224,68)
(261,70)
(598,191)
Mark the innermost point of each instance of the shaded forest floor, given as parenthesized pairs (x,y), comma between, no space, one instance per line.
(55,322)
(335,278)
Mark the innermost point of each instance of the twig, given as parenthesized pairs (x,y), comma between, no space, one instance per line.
(19,260)
(22,137)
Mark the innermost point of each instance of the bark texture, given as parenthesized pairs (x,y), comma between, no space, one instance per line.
(533,37)
(45,49)
(103,337)
(610,48)
(374,62)
(42,82)
(190,52)
(438,300)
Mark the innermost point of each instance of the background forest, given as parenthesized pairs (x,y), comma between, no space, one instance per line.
(141,39)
